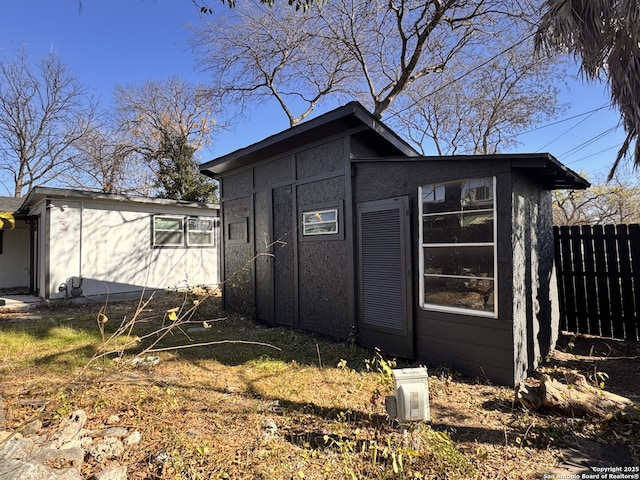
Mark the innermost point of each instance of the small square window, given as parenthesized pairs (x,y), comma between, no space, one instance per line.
(238,230)
(168,231)
(320,222)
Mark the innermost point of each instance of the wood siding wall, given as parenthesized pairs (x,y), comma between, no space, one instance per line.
(598,272)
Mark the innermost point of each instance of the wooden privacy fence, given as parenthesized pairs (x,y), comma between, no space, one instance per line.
(598,271)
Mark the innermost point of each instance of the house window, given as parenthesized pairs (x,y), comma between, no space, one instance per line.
(176,231)
(200,232)
(320,222)
(458,246)
(168,231)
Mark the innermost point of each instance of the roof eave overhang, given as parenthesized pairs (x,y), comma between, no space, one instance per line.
(544,168)
(38,194)
(352,115)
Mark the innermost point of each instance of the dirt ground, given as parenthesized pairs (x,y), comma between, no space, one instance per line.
(615,365)
(501,439)
(619,360)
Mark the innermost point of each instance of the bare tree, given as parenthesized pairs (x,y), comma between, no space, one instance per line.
(396,43)
(298,4)
(167,122)
(107,162)
(615,201)
(257,53)
(44,111)
(388,54)
(484,113)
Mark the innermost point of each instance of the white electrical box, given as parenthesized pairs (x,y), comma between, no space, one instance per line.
(411,401)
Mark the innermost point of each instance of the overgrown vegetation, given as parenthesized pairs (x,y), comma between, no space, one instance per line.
(246,401)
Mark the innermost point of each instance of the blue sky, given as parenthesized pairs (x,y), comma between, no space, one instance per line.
(132,41)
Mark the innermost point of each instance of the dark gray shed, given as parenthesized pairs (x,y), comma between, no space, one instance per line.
(338,226)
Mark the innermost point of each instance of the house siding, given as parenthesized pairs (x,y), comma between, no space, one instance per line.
(109,244)
(476,346)
(319,160)
(238,267)
(274,172)
(322,284)
(284,251)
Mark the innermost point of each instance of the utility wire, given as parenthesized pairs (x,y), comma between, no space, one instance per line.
(570,152)
(460,77)
(557,122)
(592,155)
(468,72)
(586,143)
(568,130)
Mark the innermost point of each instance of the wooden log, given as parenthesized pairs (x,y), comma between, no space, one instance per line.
(576,398)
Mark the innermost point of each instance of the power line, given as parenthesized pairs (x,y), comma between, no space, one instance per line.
(588,113)
(460,77)
(592,155)
(607,105)
(589,142)
(568,130)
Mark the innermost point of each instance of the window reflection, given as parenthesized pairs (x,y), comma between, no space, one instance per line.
(457,244)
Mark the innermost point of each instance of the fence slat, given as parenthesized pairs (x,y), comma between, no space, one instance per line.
(602,280)
(626,281)
(577,266)
(615,297)
(560,278)
(568,281)
(633,332)
(593,320)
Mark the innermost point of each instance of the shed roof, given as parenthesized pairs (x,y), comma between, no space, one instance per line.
(541,167)
(552,174)
(350,116)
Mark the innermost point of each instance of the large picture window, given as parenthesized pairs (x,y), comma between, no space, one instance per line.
(458,246)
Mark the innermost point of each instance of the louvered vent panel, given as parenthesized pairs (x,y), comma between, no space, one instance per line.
(382,276)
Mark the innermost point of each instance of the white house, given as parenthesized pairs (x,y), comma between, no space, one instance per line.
(61,243)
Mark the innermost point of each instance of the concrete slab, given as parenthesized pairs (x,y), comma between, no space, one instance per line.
(19,302)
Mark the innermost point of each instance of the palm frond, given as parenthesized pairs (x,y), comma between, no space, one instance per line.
(604,37)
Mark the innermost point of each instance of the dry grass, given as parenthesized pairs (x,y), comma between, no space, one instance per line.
(308,408)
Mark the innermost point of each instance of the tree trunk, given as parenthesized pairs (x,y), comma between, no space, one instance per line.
(576,398)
